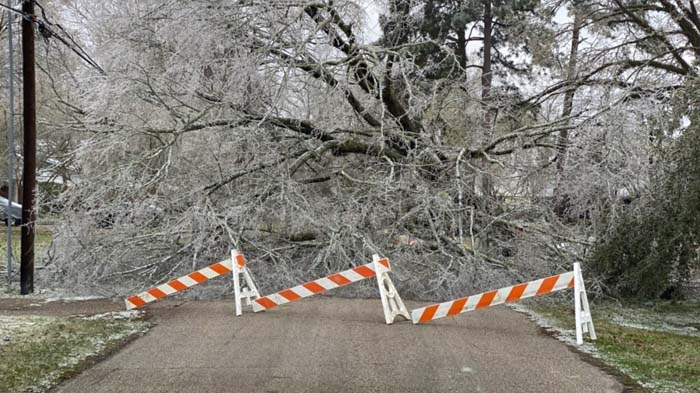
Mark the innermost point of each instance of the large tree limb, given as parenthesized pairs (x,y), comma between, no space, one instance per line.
(361,70)
(689,29)
(319,72)
(644,25)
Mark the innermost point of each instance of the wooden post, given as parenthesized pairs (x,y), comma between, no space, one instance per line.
(29,151)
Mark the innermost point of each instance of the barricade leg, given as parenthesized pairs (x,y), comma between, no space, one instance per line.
(239,267)
(391,301)
(236,283)
(251,289)
(584,321)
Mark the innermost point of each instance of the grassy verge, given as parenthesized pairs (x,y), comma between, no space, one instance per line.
(42,241)
(658,344)
(38,352)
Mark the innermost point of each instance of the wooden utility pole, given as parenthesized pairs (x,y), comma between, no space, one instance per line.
(29,150)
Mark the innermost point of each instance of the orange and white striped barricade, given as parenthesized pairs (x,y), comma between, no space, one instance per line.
(391,301)
(199,277)
(573,279)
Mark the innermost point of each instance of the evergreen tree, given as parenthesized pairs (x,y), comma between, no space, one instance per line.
(454,24)
(653,248)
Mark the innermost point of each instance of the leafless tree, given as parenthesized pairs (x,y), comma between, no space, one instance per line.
(279,128)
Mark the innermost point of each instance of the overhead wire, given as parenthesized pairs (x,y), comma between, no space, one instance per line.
(47,32)
(72,45)
(15,11)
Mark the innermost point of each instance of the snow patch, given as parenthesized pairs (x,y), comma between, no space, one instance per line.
(567,336)
(14,328)
(663,327)
(49,295)
(73,298)
(116,315)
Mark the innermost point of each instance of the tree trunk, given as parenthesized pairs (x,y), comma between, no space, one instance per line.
(563,137)
(486,82)
(462,47)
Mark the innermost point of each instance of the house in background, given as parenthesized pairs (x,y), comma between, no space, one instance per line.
(49,180)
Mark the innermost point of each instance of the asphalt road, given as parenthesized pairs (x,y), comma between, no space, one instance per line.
(338,345)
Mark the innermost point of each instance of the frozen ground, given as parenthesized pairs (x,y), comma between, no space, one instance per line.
(40,345)
(653,344)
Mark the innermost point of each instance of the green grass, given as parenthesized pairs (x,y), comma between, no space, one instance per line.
(38,352)
(657,344)
(42,241)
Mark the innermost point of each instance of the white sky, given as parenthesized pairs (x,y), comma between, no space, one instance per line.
(371,29)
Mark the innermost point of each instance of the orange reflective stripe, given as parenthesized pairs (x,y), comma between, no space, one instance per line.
(137,301)
(290,295)
(385,262)
(240,260)
(339,279)
(219,268)
(314,287)
(571,283)
(266,302)
(197,276)
(486,299)
(177,285)
(157,293)
(516,292)
(428,313)
(457,306)
(364,271)
(547,285)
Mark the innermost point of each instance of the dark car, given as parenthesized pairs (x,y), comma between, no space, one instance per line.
(15,212)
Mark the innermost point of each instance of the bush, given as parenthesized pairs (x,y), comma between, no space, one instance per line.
(653,247)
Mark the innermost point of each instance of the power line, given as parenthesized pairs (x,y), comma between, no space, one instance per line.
(47,32)
(15,11)
(46,19)
(75,48)
(72,45)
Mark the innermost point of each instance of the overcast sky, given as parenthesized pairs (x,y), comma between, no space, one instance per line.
(373,9)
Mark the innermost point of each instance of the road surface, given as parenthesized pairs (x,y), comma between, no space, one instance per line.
(338,345)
